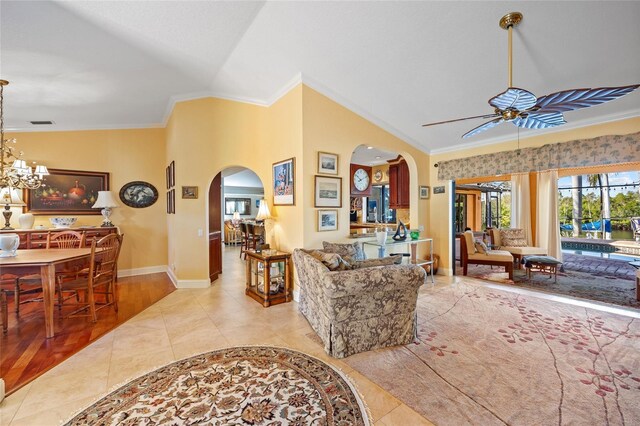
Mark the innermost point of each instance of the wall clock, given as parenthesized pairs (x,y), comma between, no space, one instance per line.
(138,194)
(360,180)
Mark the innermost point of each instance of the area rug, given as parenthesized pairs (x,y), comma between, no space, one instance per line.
(491,357)
(254,385)
(602,288)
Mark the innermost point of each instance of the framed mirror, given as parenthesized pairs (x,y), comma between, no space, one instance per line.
(240,205)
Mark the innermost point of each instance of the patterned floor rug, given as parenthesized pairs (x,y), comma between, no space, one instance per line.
(254,385)
(602,288)
(491,357)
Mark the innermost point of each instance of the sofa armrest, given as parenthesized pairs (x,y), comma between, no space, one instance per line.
(359,282)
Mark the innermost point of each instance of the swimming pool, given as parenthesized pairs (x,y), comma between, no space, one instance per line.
(602,255)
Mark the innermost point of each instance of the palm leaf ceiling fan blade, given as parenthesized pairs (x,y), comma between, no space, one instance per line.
(481,128)
(462,119)
(523,109)
(514,97)
(540,121)
(569,100)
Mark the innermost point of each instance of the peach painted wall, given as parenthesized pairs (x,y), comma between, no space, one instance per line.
(127,155)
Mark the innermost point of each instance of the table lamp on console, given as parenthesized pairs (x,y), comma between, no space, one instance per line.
(263,215)
(106,201)
(10,197)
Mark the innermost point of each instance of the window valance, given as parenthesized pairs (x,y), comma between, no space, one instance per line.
(602,150)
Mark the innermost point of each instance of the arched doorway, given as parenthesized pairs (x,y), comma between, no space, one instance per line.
(234,197)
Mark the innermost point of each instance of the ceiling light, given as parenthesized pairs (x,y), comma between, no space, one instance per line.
(14,171)
(369,147)
(378,157)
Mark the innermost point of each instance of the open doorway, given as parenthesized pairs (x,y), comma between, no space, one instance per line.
(234,200)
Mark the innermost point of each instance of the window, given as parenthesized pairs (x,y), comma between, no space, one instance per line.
(240,205)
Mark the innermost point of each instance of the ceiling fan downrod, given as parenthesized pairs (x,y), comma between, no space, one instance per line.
(507,22)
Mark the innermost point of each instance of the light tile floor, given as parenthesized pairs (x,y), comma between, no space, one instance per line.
(186,322)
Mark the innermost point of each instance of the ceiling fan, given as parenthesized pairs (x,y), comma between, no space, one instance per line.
(523,109)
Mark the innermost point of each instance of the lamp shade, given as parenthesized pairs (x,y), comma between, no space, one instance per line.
(105,200)
(11,196)
(263,211)
(236,215)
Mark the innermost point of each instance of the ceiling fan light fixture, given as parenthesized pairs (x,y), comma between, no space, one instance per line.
(523,109)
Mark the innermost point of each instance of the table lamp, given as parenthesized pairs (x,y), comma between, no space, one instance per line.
(10,197)
(106,201)
(263,211)
(236,218)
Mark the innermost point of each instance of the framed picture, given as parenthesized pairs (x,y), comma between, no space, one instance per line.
(67,192)
(284,183)
(173,201)
(166,175)
(172,174)
(240,205)
(438,189)
(168,202)
(327,163)
(328,191)
(424,192)
(190,192)
(327,220)
(138,194)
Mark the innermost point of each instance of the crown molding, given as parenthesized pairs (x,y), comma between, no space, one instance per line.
(569,126)
(56,128)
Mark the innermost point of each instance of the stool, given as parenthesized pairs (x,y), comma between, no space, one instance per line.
(544,264)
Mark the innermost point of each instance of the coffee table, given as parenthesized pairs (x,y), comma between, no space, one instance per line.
(545,264)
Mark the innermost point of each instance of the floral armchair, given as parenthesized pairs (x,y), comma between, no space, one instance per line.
(358,310)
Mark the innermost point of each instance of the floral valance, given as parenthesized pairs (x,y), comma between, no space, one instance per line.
(610,149)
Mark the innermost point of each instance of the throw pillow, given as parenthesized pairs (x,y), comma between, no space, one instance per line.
(381,261)
(481,247)
(513,237)
(332,261)
(349,252)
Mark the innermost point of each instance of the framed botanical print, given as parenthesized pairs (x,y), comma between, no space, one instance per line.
(67,192)
(327,163)
(327,220)
(328,191)
(284,183)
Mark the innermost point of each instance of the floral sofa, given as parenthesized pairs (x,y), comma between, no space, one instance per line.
(358,310)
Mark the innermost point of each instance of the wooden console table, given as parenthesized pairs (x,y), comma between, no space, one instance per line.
(270,269)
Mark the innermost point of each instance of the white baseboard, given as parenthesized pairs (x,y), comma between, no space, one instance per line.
(296,294)
(142,271)
(172,277)
(193,284)
(187,283)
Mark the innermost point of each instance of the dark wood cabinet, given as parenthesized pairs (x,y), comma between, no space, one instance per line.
(399,184)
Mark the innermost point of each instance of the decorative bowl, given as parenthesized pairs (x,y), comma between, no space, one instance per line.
(63,222)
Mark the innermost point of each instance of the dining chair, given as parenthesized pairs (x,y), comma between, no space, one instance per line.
(245,239)
(100,280)
(30,284)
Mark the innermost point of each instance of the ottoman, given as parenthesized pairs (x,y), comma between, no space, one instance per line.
(545,264)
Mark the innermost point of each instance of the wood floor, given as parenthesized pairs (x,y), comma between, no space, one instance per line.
(25,353)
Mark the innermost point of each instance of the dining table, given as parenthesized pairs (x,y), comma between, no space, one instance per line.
(43,262)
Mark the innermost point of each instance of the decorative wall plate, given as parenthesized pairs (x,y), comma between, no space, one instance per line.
(138,194)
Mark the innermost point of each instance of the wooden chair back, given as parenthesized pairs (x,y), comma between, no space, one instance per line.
(104,259)
(65,239)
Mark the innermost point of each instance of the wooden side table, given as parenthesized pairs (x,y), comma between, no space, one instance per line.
(268,278)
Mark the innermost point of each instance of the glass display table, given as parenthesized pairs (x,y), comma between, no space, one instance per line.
(413,250)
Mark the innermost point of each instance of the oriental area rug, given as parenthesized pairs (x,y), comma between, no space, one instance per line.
(491,357)
(601,287)
(254,385)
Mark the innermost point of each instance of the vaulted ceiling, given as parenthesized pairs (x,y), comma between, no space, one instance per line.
(96,65)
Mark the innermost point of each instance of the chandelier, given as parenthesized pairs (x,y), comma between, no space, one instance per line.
(14,171)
